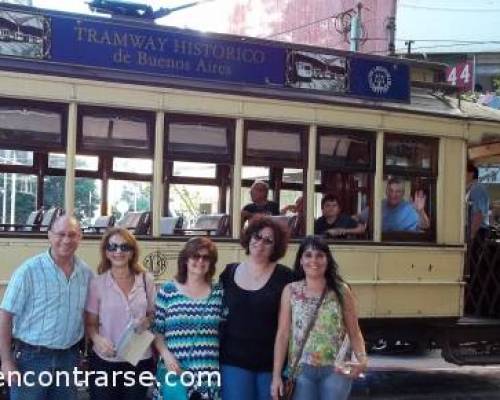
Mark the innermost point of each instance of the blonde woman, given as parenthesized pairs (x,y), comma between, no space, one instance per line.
(120,294)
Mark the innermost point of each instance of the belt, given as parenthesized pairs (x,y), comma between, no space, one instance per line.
(19,345)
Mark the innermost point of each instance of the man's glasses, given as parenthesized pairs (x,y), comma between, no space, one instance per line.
(258,237)
(124,247)
(203,257)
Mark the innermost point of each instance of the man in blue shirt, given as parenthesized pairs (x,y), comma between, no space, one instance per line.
(41,315)
(399,214)
(479,200)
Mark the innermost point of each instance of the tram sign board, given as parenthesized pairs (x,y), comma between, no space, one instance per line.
(142,53)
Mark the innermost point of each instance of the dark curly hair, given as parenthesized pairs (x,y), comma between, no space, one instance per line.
(333,279)
(280,234)
(191,248)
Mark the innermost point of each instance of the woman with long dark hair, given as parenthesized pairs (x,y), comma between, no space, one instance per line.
(316,313)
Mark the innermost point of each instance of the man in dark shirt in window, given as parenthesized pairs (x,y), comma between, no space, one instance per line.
(260,204)
(334,223)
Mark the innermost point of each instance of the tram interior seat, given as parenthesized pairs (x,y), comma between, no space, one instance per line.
(209,224)
(168,225)
(289,222)
(49,217)
(138,222)
(101,224)
(32,223)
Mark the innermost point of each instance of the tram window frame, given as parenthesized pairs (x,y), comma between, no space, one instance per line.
(415,176)
(347,172)
(223,166)
(194,156)
(114,146)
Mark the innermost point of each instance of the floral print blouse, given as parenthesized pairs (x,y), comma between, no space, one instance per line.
(327,333)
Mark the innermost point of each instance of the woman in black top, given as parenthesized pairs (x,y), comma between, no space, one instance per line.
(252,291)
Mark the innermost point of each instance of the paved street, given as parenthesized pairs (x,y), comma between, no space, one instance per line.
(427,377)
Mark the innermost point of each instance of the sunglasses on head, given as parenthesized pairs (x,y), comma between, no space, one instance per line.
(258,237)
(204,257)
(124,247)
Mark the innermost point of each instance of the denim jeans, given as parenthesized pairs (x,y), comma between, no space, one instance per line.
(42,364)
(321,383)
(244,384)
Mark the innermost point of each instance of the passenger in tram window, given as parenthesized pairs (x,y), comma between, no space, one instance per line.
(334,223)
(401,215)
(260,204)
(322,304)
(252,291)
(41,317)
(478,197)
(121,297)
(296,208)
(187,319)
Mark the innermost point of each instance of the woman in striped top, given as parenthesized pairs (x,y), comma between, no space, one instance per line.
(188,312)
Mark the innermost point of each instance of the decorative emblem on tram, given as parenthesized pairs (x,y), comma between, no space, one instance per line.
(156,262)
(379,79)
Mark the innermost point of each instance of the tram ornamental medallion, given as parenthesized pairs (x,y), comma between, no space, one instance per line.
(379,79)
(157,262)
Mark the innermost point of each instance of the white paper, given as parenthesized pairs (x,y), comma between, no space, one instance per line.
(132,345)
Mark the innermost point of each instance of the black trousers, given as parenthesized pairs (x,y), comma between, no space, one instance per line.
(120,389)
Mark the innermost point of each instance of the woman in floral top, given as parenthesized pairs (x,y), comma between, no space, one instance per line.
(317,378)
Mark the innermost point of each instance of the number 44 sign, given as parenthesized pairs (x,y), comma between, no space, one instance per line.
(461,75)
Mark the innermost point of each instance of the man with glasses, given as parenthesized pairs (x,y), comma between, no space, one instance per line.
(41,318)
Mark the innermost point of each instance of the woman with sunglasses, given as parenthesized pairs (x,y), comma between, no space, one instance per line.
(121,294)
(316,314)
(187,318)
(252,292)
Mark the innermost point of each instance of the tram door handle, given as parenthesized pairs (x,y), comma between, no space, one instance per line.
(430,267)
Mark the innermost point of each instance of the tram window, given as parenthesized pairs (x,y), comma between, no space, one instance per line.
(88,194)
(191,201)
(194,170)
(342,148)
(17,197)
(16,157)
(133,165)
(255,173)
(31,125)
(112,130)
(410,170)
(293,175)
(83,163)
(128,195)
(53,191)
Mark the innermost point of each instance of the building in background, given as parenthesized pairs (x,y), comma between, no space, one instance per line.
(324,23)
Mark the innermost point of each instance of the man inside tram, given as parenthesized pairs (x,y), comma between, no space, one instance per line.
(335,223)
(260,204)
(479,200)
(401,215)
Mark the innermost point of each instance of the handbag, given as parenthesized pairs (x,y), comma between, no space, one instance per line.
(290,382)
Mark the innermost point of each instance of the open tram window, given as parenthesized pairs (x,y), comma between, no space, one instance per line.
(28,131)
(410,174)
(197,188)
(274,158)
(345,167)
(114,164)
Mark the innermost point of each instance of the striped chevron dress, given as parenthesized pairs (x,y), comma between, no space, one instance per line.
(191,330)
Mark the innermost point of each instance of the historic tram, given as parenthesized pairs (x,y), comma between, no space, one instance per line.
(163,131)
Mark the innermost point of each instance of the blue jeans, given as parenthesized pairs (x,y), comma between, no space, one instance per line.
(35,360)
(321,383)
(244,384)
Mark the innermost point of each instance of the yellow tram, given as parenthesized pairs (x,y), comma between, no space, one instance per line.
(165,130)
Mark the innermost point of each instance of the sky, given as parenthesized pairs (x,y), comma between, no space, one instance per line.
(449,25)
(208,17)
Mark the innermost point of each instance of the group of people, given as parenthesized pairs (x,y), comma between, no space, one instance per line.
(244,326)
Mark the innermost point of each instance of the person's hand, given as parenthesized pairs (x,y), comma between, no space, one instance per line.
(419,200)
(171,363)
(142,324)
(9,368)
(277,388)
(353,369)
(336,232)
(104,346)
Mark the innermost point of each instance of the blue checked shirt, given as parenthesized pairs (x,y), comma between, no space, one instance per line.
(47,307)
